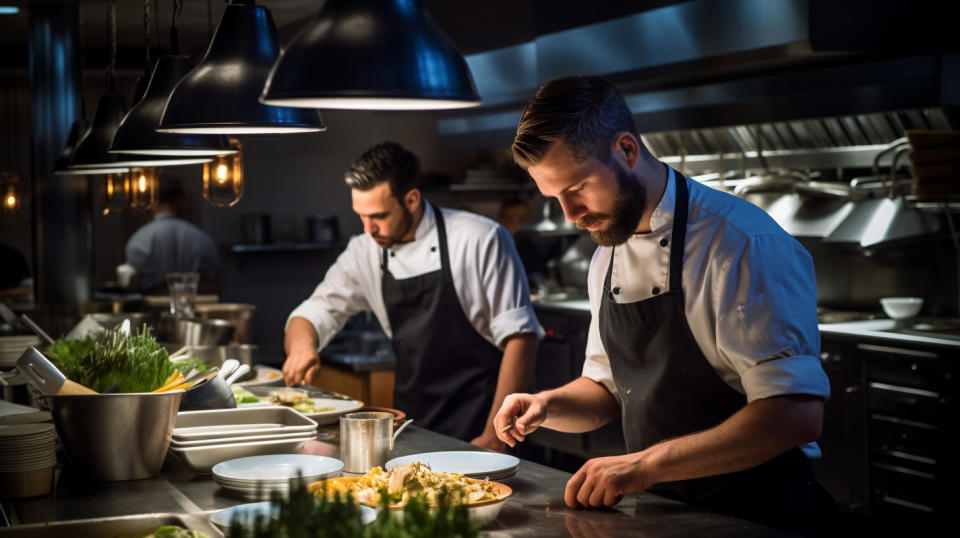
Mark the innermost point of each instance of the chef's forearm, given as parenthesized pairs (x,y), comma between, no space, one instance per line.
(760,431)
(519,357)
(581,405)
(300,335)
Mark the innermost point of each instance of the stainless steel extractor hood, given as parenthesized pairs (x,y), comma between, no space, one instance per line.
(707,63)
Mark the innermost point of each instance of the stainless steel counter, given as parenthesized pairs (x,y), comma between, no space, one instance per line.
(536,508)
(886,330)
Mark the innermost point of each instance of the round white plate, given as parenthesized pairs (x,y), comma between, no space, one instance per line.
(467,462)
(276,466)
(265,377)
(247,514)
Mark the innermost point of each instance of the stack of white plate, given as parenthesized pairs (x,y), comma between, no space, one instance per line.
(202,439)
(27,458)
(475,464)
(258,477)
(11,347)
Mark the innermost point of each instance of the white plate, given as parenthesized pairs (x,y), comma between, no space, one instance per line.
(247,514)
(266,377)
(277,467)
(269,436)
(201,459)
(468,462)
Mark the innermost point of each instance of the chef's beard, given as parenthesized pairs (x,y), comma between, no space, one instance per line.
(406,222)
(628,207)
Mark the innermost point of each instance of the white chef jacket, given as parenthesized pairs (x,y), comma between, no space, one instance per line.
(487,275)
(169,244)
(749,289)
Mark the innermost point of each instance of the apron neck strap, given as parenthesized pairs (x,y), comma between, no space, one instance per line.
(441,238)
(679,236)
(679,230)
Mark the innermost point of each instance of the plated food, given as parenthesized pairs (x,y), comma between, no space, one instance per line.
(322,410)
(402,482)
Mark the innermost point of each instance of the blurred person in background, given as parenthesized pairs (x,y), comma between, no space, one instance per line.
(169,244)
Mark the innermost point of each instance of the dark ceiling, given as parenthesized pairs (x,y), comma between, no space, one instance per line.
(473,25)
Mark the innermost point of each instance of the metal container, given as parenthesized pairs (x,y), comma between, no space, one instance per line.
(116,436)
(239,314)
(194,331)
(211,394)
(213,356)
(366,440)
(139,525)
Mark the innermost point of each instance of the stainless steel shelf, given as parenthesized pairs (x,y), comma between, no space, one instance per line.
(283,247)
(949,203)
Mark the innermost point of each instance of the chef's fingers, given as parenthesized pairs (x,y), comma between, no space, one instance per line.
(587,496)
(573,488)
(504,421)
(311,372)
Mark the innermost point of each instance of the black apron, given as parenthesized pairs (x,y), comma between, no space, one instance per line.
(446,373)
(669,389)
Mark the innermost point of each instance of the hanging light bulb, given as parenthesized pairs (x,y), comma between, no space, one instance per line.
(142,187)
(114,192)
(11,202)
(223,177)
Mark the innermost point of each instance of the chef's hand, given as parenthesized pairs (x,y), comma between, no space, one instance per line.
(604,481)
(526,412)
(489,441)
(301,365)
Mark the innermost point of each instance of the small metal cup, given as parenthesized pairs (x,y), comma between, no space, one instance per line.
(366,440)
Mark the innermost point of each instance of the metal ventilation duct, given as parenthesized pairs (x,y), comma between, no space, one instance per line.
(707,64)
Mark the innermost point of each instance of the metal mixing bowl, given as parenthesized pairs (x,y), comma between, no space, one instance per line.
(116,436)
(194,331)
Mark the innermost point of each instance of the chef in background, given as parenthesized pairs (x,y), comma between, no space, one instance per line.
(447,286)
(169,244)
(703,337)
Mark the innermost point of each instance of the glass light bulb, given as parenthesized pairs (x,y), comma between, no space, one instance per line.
(223,178)
(221,173)
(11,201)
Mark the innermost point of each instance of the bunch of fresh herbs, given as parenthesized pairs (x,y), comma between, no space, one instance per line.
(136,362)
(338,516)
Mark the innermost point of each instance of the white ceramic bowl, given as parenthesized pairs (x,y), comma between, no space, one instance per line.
(901,307)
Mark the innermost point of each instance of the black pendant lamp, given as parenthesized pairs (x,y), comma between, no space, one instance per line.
(60,167)
(137,133)
(221,94)
(92,151)
(374,55)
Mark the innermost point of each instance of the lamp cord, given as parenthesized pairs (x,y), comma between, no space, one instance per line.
(174,37)
(112,26)
(146,35)
(7,109)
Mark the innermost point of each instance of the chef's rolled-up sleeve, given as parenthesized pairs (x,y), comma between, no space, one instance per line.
(596,365)
(336,298)
(767,328)
(505,289)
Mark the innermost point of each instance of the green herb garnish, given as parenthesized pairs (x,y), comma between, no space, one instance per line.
(135,362)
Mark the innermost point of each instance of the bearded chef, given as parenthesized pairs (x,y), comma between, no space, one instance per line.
(447,287)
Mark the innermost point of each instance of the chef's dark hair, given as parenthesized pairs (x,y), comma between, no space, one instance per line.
(385,163)
(585,112)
